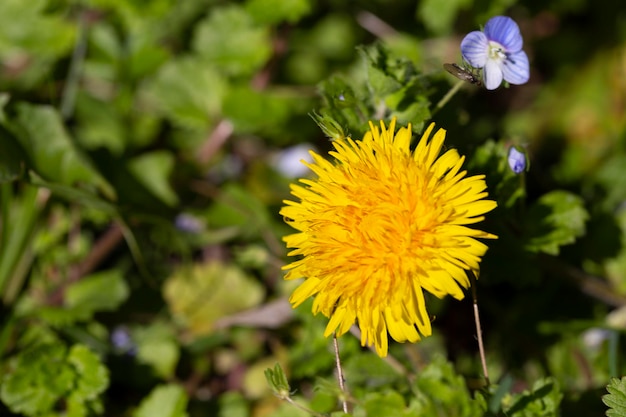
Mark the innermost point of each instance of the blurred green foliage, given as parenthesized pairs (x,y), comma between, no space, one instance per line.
(147,146)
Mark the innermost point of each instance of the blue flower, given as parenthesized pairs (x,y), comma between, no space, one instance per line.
(517,160)
(498,51)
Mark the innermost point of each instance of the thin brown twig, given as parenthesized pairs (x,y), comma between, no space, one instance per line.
(223,130)
(342,382)
(479,332)
(101,249)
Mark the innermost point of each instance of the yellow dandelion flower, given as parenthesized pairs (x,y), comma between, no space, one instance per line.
(379,226)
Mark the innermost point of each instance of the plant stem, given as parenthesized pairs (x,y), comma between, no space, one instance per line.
(342,384)
(479,333)
(444,100)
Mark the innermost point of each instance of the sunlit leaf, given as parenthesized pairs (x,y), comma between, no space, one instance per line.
(616,398)
(47,374)
(230,40)
(275,11)
(157,347)
(164,401)
(198,296)
(93,377)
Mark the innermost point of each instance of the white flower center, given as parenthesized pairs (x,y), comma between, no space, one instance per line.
(496,51)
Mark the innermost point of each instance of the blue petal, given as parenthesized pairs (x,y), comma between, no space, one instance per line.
(475,49)
(517,160)
(492,75)
(516,69)
(505,31)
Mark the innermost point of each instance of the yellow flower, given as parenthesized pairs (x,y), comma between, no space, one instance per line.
(380,225)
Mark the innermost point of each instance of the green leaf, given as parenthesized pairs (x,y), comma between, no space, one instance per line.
(153,170)
(34,35)
(383,404)
(274,11)
(237,206)
(188,91)
(46,374)
(556,219)
(253,111)
(164,401)
(277,380)
(40,378)
(381,77)
(441,391)
(230,39)
(438,16)
(234,404)
(199,296)
(92,375)
(157,347)
(542,401)
(103,291)
(616,398)
(51,151)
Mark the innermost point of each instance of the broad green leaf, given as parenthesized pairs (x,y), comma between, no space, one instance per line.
(188,91)
(157,347)
(198,296)
(47,374)
(234,404)
(40,378)
(275,11)
(92,375)
(29,28)
(380,77)
(253,111)
(616,398)
(51,151)
(103,291)
(238,207)
(556,219)
(230,39)
(409,107)
(438,16)
(99,125)
(153,170)
(164,401)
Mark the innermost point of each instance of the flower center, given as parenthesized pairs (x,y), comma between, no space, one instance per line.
(496,51)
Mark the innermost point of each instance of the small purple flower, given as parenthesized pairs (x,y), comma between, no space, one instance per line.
(517,160)
(122,341)
(498,51)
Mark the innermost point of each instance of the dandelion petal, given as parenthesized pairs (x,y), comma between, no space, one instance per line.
(475,49)
(492,75)
(516,69)
(505,31)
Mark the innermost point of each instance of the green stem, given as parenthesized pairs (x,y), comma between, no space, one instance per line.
(444,100)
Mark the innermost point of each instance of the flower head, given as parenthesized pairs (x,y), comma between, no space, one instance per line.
(378,226)
(498,51)
(517,160)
